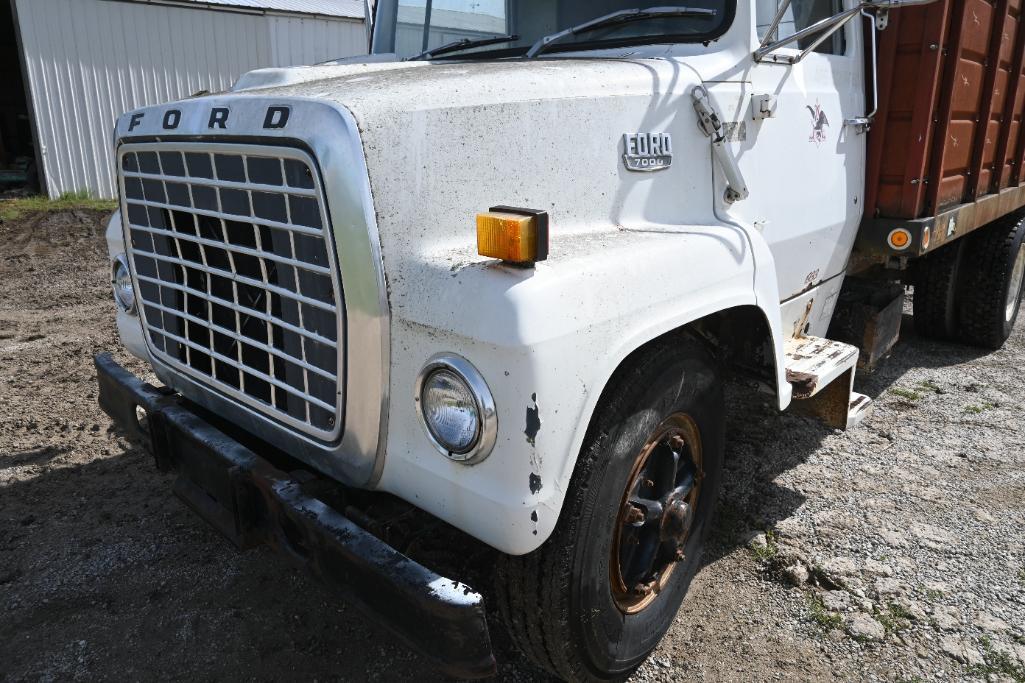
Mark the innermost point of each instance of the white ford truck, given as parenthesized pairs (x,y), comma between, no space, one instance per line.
(498,271)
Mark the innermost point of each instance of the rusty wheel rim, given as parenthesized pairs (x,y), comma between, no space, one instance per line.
(656,513)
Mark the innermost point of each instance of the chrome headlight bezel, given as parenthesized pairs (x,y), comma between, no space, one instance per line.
(487,416)
(120,276)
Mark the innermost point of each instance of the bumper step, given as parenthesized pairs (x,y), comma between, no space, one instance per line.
(822,374)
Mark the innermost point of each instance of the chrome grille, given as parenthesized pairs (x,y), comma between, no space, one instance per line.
(235,274)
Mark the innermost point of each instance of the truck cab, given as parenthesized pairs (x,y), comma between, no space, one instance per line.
(498,270)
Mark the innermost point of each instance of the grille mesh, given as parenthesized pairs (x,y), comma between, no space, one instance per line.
(236,280)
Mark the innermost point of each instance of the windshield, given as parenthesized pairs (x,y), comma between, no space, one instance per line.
(410,27)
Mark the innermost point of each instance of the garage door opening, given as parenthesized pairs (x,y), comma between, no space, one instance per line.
(18,166)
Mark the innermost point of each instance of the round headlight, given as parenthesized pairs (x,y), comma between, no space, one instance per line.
(450,411)
(457,409)
(124,290)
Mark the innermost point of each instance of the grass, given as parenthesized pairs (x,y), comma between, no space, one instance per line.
(974,409)
(894,618)
(12,209)
(930,386)
(769,551)
(907,394)
(822,616)
(920,391)
(999,663)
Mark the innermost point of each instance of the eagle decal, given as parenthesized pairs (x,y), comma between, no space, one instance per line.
(819,124)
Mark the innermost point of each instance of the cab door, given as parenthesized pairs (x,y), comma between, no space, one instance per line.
(804,168)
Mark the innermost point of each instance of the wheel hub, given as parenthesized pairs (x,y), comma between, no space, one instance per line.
(657,513)
(1014,290)
(676,523)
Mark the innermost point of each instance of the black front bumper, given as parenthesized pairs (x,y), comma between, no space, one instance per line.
(252,502)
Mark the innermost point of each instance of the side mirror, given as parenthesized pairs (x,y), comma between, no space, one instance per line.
(826,27)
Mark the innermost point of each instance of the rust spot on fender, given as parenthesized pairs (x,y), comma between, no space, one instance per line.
(535,483)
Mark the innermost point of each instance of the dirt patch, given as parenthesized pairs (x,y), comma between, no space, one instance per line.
(894,551)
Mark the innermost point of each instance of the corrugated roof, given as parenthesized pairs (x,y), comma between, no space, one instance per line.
(352,9)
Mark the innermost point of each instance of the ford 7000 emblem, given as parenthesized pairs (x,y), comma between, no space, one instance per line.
(647,152)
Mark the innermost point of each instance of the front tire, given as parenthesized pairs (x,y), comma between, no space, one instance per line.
(594,601)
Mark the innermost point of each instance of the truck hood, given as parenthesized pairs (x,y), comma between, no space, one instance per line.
(446,141)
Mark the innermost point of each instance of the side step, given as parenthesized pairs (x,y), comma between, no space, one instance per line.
(822,374)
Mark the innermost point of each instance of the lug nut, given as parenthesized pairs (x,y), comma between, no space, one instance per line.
(634,515)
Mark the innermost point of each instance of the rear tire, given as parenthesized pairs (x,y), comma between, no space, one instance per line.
(568,606)
(991,282)
(935,300)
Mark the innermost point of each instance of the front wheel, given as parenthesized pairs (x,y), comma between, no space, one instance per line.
(595,600)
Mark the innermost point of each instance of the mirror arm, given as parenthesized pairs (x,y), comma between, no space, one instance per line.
(784,6)
(368,22)
(828,26)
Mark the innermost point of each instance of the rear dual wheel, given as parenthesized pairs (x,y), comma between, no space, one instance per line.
(599,595)
(990,287)
(971,290)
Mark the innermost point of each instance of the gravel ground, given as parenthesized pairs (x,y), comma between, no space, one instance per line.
(894,551)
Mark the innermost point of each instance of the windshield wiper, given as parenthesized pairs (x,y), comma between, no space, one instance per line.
(462,44)
(625,16)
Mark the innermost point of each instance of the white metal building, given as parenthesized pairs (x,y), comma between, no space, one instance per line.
(84,62)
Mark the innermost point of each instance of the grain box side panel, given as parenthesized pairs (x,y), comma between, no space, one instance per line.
(964,79)
(1005,173)
(990,117)
(900,143)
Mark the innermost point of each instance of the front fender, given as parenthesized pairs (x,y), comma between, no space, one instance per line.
(546,340)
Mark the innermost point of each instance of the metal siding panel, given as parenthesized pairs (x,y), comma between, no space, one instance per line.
(350,9)
(309,40)
(66,82)
(89,125)
(89,60)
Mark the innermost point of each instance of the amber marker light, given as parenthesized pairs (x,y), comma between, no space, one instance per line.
(899,239)
(516,236)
